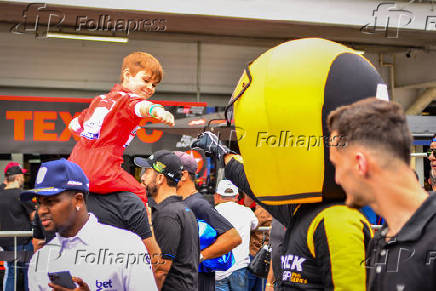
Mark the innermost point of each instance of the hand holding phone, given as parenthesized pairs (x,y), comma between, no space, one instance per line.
(66,278)
(62,279)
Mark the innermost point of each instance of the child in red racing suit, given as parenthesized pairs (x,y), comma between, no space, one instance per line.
(110,122)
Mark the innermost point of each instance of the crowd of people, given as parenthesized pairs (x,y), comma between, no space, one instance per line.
(96,228)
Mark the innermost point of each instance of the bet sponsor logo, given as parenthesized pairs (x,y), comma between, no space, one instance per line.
(103,285)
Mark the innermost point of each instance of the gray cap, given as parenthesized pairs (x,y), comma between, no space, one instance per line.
(188,162)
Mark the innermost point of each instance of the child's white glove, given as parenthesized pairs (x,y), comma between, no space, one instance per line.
(162,115)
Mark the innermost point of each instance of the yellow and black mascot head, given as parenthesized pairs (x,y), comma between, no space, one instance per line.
(280,107)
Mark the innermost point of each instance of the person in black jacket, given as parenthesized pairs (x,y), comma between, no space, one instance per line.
(15,216)
(227,236)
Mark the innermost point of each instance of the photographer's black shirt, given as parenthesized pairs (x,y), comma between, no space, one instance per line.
(176,230)
(406,261)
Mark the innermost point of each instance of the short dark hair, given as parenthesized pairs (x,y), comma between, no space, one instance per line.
(373,122)
(11,178)
(193,177)
(171,182)
(74,192)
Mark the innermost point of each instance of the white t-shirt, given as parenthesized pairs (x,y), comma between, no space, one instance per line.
(105,257)
(244,221)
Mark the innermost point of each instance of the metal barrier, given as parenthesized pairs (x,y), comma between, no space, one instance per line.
(15,234)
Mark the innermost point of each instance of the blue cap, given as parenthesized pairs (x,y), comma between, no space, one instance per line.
(57,176)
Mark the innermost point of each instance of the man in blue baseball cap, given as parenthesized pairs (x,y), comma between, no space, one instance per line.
(61,189)
(60,181)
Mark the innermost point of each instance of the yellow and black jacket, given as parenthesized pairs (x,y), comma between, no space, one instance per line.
(325,243)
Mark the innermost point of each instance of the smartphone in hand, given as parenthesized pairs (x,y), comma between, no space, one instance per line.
(62,279)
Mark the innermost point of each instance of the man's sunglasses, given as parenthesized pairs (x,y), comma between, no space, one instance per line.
(430,151)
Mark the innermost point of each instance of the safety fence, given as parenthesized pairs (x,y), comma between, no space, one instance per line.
(15,235)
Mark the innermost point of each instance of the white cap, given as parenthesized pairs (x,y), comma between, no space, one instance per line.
(226,188)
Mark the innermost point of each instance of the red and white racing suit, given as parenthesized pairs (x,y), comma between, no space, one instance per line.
(106,128)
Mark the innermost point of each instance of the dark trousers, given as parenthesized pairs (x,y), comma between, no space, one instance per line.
(206,281)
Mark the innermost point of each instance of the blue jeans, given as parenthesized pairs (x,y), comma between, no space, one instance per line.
(237,281)
(255,283)
(22,267)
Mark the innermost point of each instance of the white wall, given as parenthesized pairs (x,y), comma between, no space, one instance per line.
(74,68)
